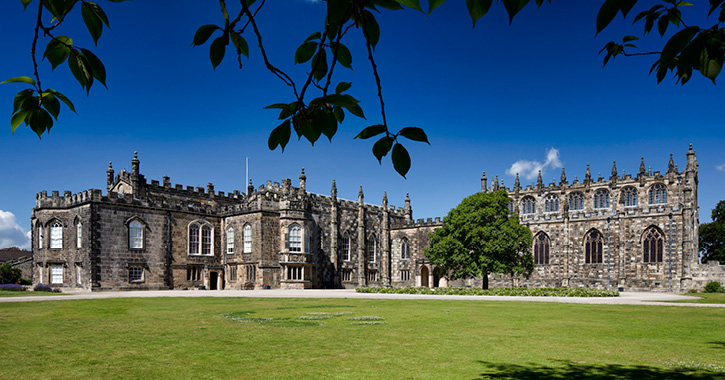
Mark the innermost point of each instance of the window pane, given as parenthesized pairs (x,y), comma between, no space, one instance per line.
(135,235)
(247,239)
(56,274)
(206,240)
(230,240)
(56,235)
(194,239)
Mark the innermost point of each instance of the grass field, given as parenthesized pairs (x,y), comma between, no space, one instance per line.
(211,338)
(705,298)
(8,293)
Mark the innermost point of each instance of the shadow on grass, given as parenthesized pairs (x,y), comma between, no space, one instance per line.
(718,344)
(577,371)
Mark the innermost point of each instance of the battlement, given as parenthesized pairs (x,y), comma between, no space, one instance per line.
(55,200)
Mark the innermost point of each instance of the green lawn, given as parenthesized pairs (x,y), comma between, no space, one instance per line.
(8,293)
(705,298)
(212,338)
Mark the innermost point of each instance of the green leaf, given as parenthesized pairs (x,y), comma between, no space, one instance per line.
(477,9)
(709,67)
(629,38)
(606,14)
(433,4)
(342,53)
(339,114)
(80,70)
(314,36)
(319,65)
(401,160)
(678,42)
(216,51)
(97,68)
(20,80)
(342,87)
(305,52)
(21,98)
(51,104)
(240,43)
(57,50)
(62,98)
(382,147)
(372,28)
(308,128)
(415,134)
(203,33)
(513,7)
(626,5)
(356,110)
(387,4)
(92,20)
(25,3)
(415,4)
(338,12)
(371,131)
(279,136)
(18,118)
(662,24)
(325,123)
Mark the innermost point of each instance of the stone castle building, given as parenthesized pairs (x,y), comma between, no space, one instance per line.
(629,232)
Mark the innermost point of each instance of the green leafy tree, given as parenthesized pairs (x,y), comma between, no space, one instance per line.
(480,237)
(9,275)
(712,236)
(317,105)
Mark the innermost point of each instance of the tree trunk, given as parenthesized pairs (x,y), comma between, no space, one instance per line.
(484,282)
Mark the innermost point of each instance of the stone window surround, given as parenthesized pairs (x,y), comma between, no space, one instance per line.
(136,272)
(137,220)
(201,223)
(55,225)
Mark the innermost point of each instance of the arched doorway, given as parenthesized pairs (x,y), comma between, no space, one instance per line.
(424,276)
(436,277)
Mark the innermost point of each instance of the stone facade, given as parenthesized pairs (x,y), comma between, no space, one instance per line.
(151,235)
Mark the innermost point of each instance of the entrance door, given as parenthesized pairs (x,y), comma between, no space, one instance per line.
(213,279)
(424,276)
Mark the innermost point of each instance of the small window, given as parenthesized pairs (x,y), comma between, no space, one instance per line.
(593,245)
(601,199)
(576,201)
(295,238)
(346,254)
(135,235)
(135,273)
(232,273)
(79,235)
(56,274)
(551,203)
(193,273)
(230,241)
(652,246)
(347,275)
(247,239)
(295,273)
(630,197)
(373,276)
(251,273)
(404,275)
(658,194)
(372,248)
(56,235)
(405,249)
(541,249)
(528,205)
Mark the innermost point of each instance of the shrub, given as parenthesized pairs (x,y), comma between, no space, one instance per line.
(45,288)
(25,281)
(12,287)
(9,275)
(714,287)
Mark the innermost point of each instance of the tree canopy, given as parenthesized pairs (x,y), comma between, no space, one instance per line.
(712,236)
(319,103)
(480,237)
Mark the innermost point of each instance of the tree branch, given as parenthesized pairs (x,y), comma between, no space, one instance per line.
(38,24)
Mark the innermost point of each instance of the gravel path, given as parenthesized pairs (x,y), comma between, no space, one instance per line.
(625,298)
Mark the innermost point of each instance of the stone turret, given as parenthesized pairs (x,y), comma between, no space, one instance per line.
(303,181)
(408,209)
(563,182)
(517,185)
(615,175)
(588,176)
(385,240)
(484,183)
(495,184)
(250,188)
(136,176)
(109,177)
(539,182)
(671,165)
(334,231)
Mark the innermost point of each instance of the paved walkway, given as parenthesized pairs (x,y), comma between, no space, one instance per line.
(625,298)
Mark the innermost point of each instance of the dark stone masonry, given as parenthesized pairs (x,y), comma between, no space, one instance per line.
(628,232)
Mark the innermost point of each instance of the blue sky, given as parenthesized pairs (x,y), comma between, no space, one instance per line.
(488,98)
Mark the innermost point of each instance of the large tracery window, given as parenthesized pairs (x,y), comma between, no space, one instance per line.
(56,235)
(247,239)
(135,235)
(630,197)
(201,238)
(601,199)
(372,248)
(541,249)
(652,245)
(576,201)
(346,254)
(593,246)
(295,238)
(658,194)
(551,203)
(528,205)
(405,249)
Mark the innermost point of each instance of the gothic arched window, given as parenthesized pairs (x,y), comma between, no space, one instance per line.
(247,237)
(372,248)
(346,254)
(56,235)
(79,234)
(593,244)
(528,205)
(295,238)
(541,248)
(658,194)
(551,203)
(405,249)
(652,245)
(135,235)
(576,201)
(230,240)
(601,199)
(630,196)
(201,238)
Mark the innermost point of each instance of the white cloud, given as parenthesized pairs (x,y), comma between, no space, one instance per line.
(530,169)
(11,234)
(720,167)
